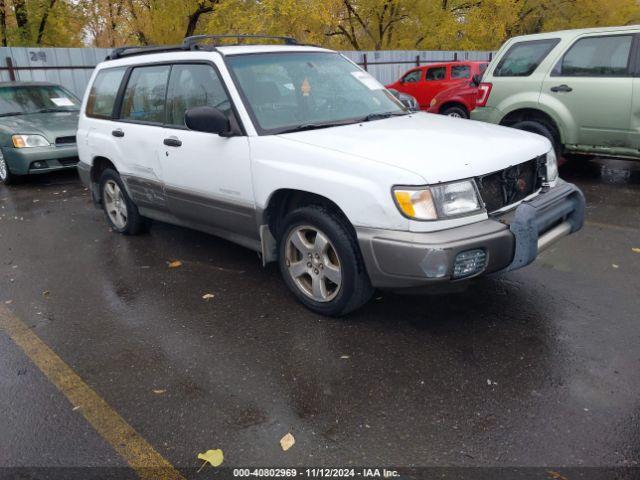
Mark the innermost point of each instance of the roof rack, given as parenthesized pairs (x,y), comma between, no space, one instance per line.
(122,52)
(193,43)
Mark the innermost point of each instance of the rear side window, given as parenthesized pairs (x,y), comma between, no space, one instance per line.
(412,77)
(144,97)
(194,86)
(460,71)
(522,58)
(597,57)
(437,73)
(103,92)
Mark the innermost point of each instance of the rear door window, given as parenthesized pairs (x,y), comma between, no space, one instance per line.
(144,97)
(412,77)
(437,73)
(597,57)
(103,92)
(460,71)
(522,58)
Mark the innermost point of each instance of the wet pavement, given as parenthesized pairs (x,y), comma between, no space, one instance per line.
(537,367)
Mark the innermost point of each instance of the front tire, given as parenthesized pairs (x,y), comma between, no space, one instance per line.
(122,214)
(321,262)
(6,176)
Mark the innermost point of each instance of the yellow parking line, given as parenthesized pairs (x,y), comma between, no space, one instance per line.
(137,452)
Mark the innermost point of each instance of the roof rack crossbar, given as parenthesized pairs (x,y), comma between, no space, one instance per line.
(192,43)
(122,52)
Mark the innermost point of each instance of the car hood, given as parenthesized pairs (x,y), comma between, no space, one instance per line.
(51,125)
(435,147)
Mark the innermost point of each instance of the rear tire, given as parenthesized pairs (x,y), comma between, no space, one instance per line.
(536,126)
(455,111)
(122,214)
(321,262)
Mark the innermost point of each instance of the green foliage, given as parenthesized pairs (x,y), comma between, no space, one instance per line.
(347,24)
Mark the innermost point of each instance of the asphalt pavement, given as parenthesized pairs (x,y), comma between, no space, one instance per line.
(539,367)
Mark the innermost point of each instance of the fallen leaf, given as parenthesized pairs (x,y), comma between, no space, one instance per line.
(208,296)
(212,457)
(46,293)
(76,408)
(175,264)
(287,442)
(8,302)
(635,250)
(615,266)
(556,475)
(159,392)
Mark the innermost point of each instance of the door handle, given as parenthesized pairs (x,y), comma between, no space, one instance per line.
(562,88)
(172,142)
(118,133)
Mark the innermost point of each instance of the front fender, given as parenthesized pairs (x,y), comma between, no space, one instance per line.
(361,188)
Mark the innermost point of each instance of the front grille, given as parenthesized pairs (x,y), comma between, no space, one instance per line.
(68,162)
(511,185)
(66,140)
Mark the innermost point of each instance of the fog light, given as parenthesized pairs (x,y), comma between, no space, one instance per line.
(38,165)
(469,263)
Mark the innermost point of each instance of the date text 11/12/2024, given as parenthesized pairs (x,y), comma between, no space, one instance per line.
(315,472)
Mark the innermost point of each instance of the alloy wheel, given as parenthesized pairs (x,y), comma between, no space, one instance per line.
(313,263)
(115,204)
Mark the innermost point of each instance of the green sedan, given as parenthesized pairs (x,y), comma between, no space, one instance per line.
(38,124)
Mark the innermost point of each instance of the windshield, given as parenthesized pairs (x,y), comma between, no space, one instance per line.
(22,100)
(291,91)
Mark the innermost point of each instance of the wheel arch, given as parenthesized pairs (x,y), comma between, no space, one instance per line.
(453,103)
(285,200)
(534,114)
(98,166)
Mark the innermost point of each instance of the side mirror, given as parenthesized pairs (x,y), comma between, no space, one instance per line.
(477,79)
(208,120)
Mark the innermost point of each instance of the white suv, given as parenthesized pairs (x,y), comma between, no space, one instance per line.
(295,152)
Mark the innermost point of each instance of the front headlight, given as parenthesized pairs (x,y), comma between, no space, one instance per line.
(28,141)
(438,201)
(552,167)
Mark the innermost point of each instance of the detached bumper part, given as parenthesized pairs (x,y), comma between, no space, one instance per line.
(543,221)
(399,260)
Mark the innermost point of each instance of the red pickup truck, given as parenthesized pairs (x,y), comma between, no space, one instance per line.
(425,82)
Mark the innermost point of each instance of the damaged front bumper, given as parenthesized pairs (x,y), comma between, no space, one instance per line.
(399,260)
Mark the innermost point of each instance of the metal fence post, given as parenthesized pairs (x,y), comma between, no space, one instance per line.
(417,60)
(365,62)
(12,72)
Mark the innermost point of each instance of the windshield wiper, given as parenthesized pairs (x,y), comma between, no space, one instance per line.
(313,126)
(54,110)
(11,114)
(382,116)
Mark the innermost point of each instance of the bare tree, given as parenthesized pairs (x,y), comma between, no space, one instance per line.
(3,22)
(43,21)
(203,7)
